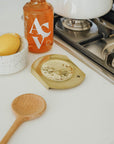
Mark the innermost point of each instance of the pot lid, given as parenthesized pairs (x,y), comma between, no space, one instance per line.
(81,9)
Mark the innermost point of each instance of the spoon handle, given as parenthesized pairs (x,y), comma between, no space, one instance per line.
(11,131)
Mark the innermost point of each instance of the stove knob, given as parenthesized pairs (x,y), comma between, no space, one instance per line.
(110,60)
(108,53)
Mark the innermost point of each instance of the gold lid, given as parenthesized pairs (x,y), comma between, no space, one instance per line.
(57,72)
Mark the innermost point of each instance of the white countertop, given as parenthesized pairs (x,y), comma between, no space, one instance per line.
(82,115)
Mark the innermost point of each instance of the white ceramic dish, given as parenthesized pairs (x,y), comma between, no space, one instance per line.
(81,9)
(14,63)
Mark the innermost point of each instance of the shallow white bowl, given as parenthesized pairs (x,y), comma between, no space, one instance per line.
(14,63)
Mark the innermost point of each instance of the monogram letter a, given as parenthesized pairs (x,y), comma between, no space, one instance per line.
(39,31)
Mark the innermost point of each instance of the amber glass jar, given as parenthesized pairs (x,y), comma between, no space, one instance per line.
(38,22)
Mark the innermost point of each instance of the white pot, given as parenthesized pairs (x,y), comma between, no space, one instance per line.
(81,9)
(14,63)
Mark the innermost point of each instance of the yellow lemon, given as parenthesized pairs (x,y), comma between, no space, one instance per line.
(9,44)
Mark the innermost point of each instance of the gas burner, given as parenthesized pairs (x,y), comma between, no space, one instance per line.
(91,41)
(77,25)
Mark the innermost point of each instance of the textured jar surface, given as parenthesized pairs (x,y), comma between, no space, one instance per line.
(16,62)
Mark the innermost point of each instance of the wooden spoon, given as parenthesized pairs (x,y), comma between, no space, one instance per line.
(26,107)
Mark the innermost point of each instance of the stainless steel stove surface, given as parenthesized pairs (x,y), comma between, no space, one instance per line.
(88,45)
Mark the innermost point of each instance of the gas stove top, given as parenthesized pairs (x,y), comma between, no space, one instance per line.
(90,45)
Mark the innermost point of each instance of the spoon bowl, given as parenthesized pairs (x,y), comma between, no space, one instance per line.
(29,106)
